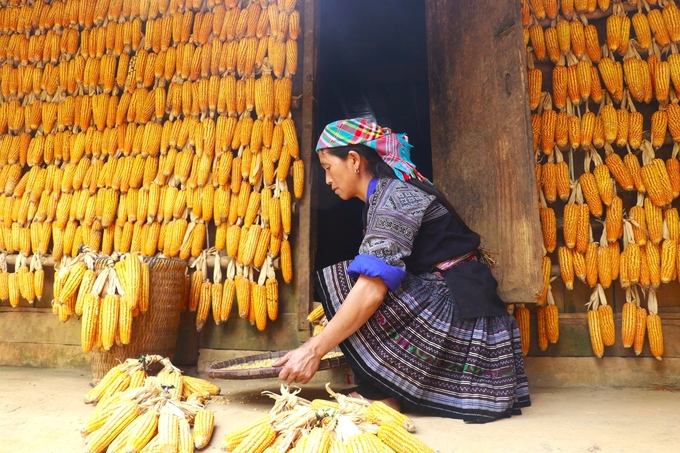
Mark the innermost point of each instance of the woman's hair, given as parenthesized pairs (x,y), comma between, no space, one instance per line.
(379,168)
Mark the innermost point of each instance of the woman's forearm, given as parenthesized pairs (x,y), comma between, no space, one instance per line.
(359,305)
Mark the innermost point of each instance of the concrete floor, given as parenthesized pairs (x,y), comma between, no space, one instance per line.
(41,411)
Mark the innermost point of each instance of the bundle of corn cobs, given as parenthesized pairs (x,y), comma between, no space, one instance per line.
(149,127)
(318,320)
(107,299)
(607,82)
(140,413)
(320,426)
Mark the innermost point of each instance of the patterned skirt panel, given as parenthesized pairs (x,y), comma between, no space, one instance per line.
(414,349)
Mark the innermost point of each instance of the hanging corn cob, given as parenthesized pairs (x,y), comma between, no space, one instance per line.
(522,315)
(654,330)
(594,327)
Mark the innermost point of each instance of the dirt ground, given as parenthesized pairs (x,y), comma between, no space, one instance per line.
(41,411)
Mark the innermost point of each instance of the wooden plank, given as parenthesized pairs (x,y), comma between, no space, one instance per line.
(239,334)
(481,135)
(575,341)
(303,254)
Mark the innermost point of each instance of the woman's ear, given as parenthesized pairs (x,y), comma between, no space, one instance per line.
(355,158)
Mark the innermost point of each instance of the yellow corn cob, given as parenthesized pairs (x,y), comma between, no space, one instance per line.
(203,305)
(523,319)
(614,29)
(619,171)
(657,182)
(286,261)
(608,71)
(247,253)
(645,278)
(587,129)
(624,264)
(89,321)
(563,36)
(577,37)
(541,328)
(216,301)
(566,267)
(606,322)
(140,432)
(548,123)
(640,330)
(286,211)
(632,259)
(643,33)
(614,219)
(563,182)
(672,223)
(124,321)
(259,305)
(653,254)
(671,16)
(168,431)
(99,440)
(595,334)
(604,267)
(562,129)
(673,114)
(579,261)
(552,323)
(633,164)
(610,122)
(637,213)
(668,260)
(570,224)
(228,293)
(655,335)
(592,262)
(622,117)
(591,193)
(109,315)
(259,438)
(628,324)
(243,296)
(575,130)
(592,43)
(673,171)
(204,422)
(243,199)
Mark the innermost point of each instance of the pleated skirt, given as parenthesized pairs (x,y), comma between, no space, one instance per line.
(414,349)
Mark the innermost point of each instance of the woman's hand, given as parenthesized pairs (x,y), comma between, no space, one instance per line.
(362,301)
(299,365)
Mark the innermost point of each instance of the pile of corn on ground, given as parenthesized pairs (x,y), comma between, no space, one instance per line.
(30,405)
(604,78)
(137,411)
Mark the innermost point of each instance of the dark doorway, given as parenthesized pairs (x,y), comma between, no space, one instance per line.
(372,62)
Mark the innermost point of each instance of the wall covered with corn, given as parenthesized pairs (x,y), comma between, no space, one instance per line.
(604,81)
(149,128)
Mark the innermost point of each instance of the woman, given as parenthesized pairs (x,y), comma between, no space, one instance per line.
(416,313)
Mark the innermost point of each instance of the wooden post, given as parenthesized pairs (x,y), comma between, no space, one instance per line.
(303,255)
(481,133)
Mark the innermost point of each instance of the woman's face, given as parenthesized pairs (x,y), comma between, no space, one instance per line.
(340,174)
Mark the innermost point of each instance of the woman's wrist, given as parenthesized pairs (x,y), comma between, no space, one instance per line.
(317,347)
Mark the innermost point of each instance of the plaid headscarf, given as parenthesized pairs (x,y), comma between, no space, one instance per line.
(394,149)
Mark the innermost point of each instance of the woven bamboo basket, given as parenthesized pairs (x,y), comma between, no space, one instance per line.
(153,332)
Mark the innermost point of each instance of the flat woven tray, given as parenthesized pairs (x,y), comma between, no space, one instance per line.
(220,370)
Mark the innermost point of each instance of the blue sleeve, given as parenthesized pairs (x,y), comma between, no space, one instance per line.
(371,266)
